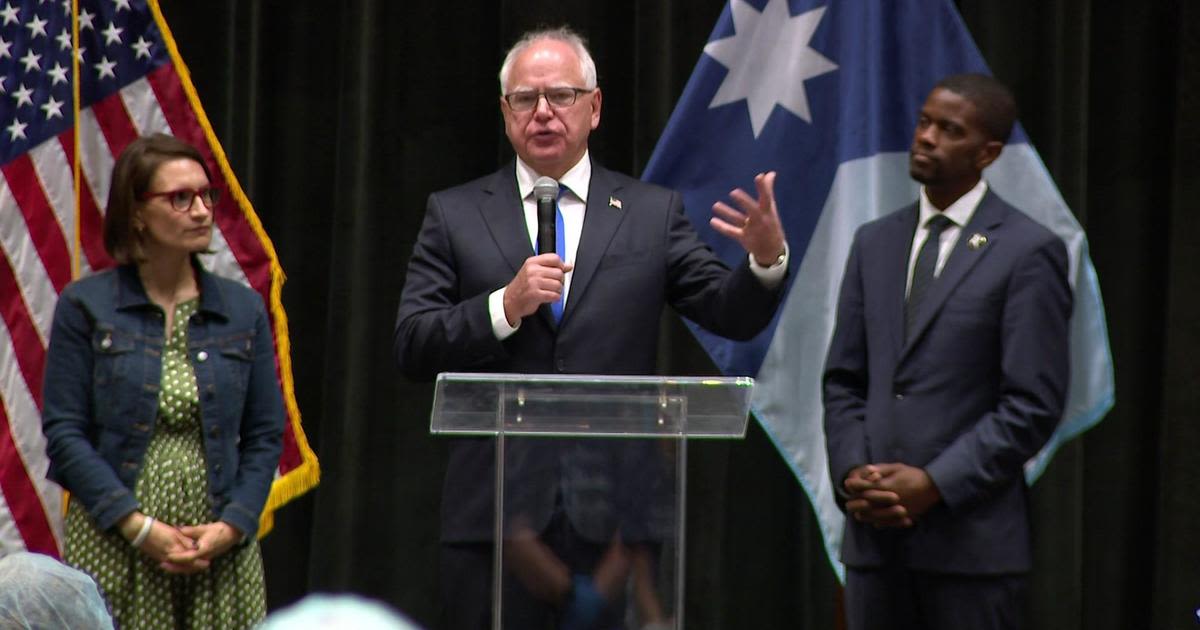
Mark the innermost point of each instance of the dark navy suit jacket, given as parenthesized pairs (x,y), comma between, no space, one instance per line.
(975,392)
(637,253)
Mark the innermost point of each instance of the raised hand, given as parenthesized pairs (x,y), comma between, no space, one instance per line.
(755,225)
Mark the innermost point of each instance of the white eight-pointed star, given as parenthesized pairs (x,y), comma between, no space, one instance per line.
(769,60)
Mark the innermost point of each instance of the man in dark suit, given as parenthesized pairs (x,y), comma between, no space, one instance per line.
(477,298)
(947,370)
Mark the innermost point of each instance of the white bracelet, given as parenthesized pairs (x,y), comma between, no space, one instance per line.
(144,532)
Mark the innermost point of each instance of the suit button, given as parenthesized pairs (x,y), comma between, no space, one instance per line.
(202,356)
(899,396)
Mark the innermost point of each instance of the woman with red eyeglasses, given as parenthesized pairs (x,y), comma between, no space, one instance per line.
(162,412)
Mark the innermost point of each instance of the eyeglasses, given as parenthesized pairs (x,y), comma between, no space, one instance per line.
(526,100)
(181,199)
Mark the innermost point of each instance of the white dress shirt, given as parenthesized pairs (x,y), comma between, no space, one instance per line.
(959,213)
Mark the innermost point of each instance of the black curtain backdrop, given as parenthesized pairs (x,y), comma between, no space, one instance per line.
(341,117)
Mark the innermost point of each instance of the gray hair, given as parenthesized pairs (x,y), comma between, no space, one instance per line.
(564,34)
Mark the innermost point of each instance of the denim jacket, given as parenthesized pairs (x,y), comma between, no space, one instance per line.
(103,373)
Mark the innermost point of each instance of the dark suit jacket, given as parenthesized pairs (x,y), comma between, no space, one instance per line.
(631,261)
(970,397)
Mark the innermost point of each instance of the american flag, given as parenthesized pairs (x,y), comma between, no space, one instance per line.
(131,82)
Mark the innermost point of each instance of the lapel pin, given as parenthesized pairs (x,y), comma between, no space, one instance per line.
(977,241)
(614,202)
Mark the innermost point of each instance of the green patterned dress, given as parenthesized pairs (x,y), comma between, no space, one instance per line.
(173,488)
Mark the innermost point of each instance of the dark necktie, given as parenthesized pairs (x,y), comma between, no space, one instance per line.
(923,271)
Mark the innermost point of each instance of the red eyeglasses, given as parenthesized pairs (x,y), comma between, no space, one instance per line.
(181,199)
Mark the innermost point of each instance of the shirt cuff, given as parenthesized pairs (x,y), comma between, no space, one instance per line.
(500,326)
(773,275)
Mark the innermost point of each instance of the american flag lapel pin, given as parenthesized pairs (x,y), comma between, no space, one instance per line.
(614,202)
(977,241)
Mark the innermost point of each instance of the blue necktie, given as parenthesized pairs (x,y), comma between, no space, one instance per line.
(560,246)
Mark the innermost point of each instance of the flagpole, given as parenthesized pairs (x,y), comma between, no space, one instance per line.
(75,163)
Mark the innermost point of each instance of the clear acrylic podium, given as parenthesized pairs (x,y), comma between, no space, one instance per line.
(590,489)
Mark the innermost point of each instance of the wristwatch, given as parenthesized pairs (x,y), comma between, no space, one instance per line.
(774,263)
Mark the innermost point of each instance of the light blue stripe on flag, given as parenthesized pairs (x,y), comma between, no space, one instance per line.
(826,92)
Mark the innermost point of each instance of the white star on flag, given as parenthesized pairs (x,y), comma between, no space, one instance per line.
(105,68)
(16,130)
(31,61)
(10,14)
(121,4)
(769,60)
(23,96)
(58,73)
(64,40)
(85,19)
(142,47)
(52,108)
(4,48)
(36,26)
(112,34)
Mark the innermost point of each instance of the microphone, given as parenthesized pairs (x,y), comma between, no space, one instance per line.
(545,190)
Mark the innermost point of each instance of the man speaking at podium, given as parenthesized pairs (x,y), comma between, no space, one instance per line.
(479,297)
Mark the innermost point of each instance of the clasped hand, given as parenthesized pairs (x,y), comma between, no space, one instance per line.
(889,495)
(187,549)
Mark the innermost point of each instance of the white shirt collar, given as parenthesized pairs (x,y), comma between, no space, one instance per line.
(576,179)
(959,212)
